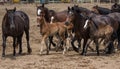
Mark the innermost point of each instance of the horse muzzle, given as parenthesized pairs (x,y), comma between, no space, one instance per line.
(67,23)
(12,26)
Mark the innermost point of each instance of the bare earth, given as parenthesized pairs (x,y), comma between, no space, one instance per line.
(56,60)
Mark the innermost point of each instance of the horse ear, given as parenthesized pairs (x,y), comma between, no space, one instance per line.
(43,5)
(14,8)
(115,3)
(72,8)
(68,8)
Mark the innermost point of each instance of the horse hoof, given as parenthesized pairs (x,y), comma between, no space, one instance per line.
(29,51)
(20,53)
(40,53)
(3,55)
(107,52)
(83,54)
(63,53)
(47,53)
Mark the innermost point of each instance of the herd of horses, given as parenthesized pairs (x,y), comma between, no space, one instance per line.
(75,23)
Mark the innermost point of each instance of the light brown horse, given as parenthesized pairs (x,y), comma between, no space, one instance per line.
(46,29)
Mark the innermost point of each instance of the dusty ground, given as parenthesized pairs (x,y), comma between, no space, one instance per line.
(55,60)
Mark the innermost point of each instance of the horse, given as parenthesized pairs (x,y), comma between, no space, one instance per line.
(101,10)
(115,16)
(97,25)
(58,29)
(14,24)
(42,10)
(58,16)
(51,16)
(78,22)
(48,14)
(115,7)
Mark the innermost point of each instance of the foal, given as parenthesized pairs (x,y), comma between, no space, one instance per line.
(47,29)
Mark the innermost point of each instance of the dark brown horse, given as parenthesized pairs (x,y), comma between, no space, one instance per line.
(115,7)
(14,24)
(116,17)
(78,23)
(57,16)
(101,10)
(101,27)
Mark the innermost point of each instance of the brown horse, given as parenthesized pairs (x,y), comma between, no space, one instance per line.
(46,29)
(14,24)
(51,16)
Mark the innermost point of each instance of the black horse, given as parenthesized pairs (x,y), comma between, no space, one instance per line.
(78,23)
(14,24)
(115,7)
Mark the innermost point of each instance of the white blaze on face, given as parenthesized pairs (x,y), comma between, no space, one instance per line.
(52,18)
(86,23)
(39,11)
(70,12)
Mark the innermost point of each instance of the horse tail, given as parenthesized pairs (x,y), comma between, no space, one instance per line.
(74,47)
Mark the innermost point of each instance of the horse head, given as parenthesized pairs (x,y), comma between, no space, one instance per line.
(115,7)
(10,13)
(71,15)
(95,9)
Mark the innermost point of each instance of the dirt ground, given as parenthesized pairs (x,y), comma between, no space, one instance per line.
(56,60)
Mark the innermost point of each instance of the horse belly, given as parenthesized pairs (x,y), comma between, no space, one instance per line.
(53,30)
(103,32)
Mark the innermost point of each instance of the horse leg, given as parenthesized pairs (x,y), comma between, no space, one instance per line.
(118,34)
(97,46)
(43,42)
(90,46)
(28,44)
(14,46)
(64,42)
(72,43)
(110,45)
(59,42)
(19,38)
(51,42)
(84,47)
(4,45)
(47,46)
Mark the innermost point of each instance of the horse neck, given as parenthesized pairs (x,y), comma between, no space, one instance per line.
(78,21)
(5,21)
(47,16)
(93,27)
(44,23)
